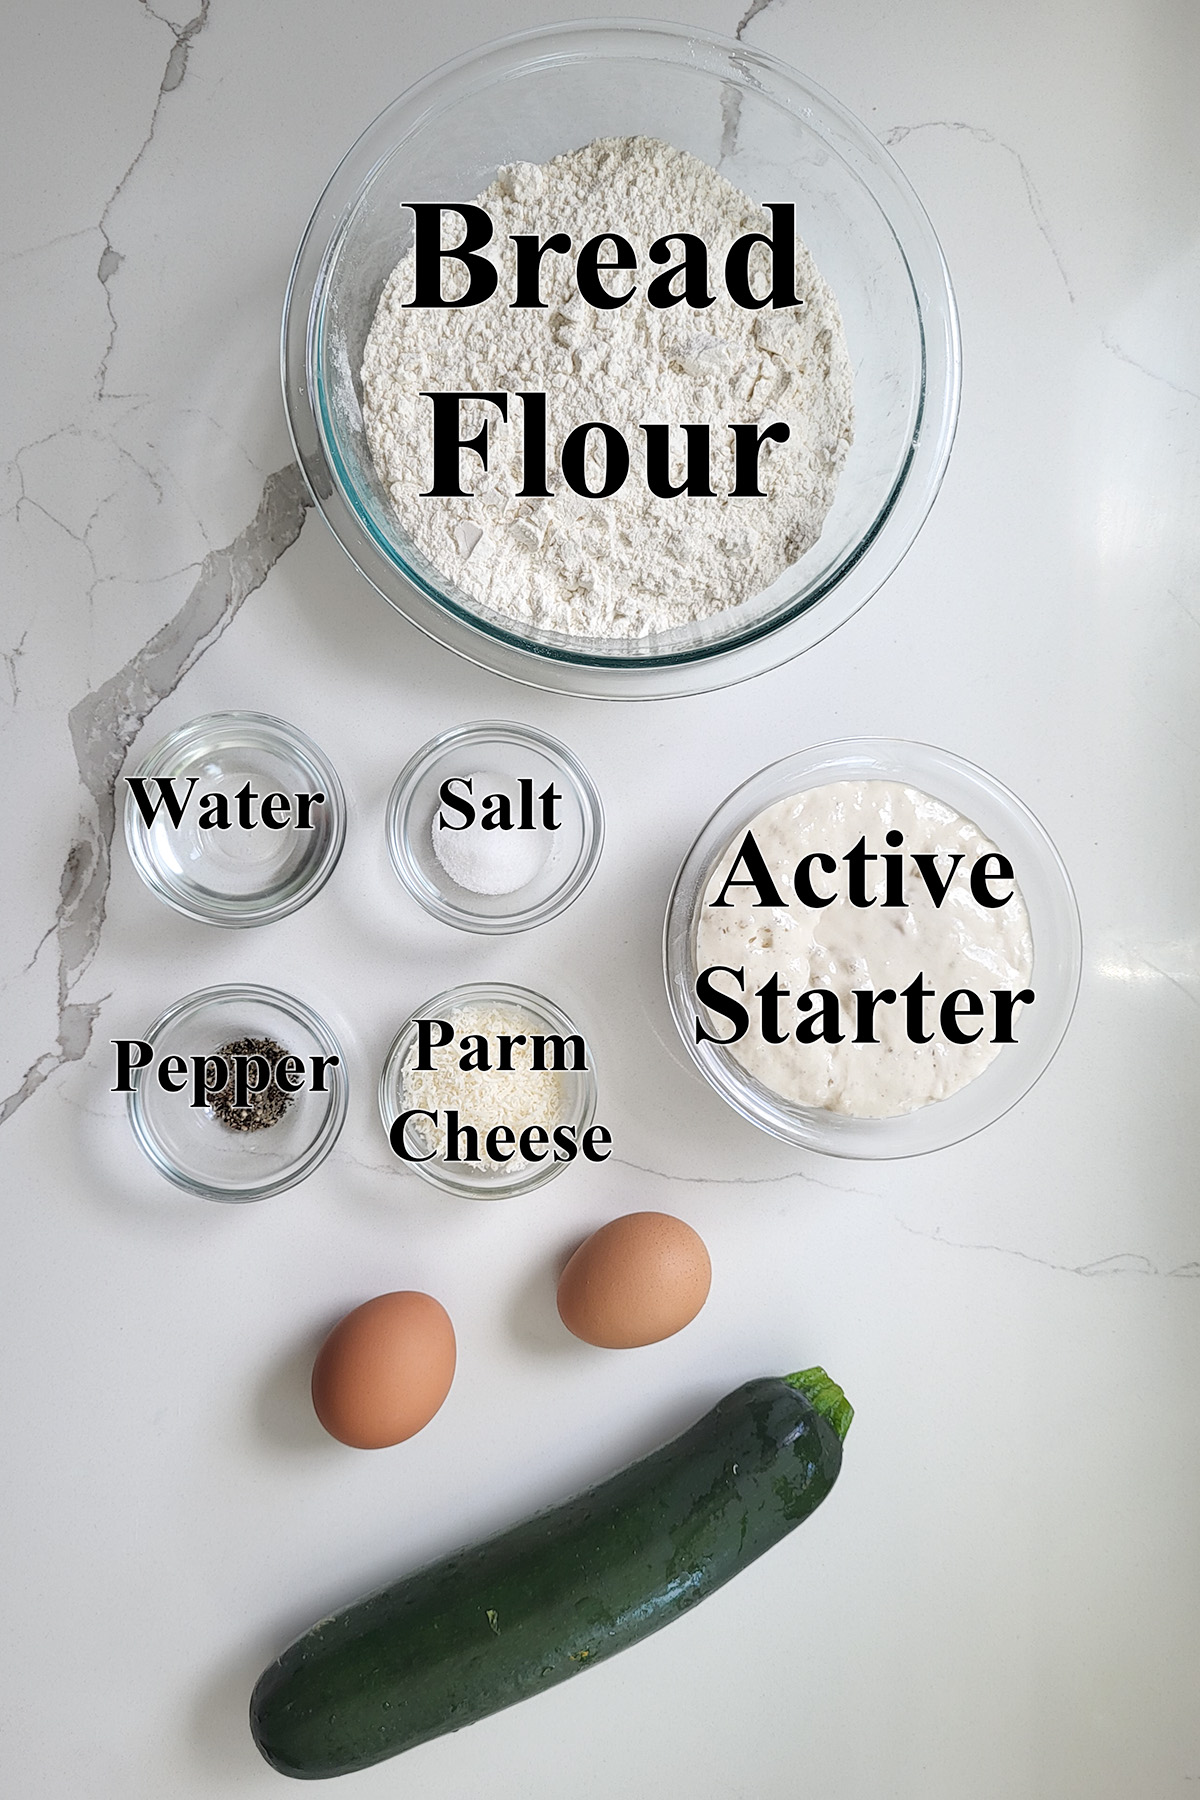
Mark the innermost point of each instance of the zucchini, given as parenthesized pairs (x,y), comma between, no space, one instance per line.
(503,1619)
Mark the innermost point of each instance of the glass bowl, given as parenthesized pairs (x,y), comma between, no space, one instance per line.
(475,1181)
(237,875)
(514,751)
(190,1145)
(1054,927)
(776,136)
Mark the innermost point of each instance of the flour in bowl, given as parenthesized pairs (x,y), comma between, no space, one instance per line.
(632,563)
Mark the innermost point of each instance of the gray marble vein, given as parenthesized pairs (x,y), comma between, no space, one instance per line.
(1180,986)
(105,723)
(1123,355)
(899,132)
(722,1181)
(752,11)
(11,660)
(110,257)
(1036,205)
(731,100)
(1120,1263)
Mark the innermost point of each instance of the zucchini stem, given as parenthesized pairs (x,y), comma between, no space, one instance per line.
(825,1397)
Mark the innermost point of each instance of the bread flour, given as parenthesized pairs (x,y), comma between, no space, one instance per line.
(633,563)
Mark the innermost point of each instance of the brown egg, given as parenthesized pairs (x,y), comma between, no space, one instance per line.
(384,1370)
(635,1281)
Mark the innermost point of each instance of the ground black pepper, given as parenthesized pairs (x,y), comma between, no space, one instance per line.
(268,1105)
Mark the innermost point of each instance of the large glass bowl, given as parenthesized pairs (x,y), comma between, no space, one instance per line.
(776,136)
(1053,922)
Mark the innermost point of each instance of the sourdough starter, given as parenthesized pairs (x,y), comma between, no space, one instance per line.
(841,947)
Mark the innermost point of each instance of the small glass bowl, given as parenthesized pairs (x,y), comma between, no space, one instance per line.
(468,1181)
(193,1148)
(494,747)
(1054,927)
(237,876)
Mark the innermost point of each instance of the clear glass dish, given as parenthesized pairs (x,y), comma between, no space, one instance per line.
(1054,926)
(778,137)
(476,1181)
(237,876)
(192,1147)
(495,747)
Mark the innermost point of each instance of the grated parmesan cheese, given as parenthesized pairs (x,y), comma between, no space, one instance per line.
(515,1097)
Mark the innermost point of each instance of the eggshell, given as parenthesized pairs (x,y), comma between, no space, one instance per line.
(384,1370)
(635,1281)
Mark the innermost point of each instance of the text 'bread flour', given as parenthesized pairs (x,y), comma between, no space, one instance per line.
(633,561)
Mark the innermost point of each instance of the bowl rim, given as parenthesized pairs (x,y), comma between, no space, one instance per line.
(390,1080)
(980,1101)
(246,910)
(314,1153)
(397,822)
(740,655)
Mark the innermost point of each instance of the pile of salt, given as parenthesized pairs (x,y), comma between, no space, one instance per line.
(484,857)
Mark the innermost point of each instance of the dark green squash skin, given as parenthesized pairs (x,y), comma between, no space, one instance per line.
(506,1618)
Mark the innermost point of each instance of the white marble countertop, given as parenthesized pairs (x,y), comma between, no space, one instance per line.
(1000,1600)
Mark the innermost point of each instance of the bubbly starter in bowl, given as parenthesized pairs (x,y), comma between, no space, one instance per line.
(633,562)
(877,946)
